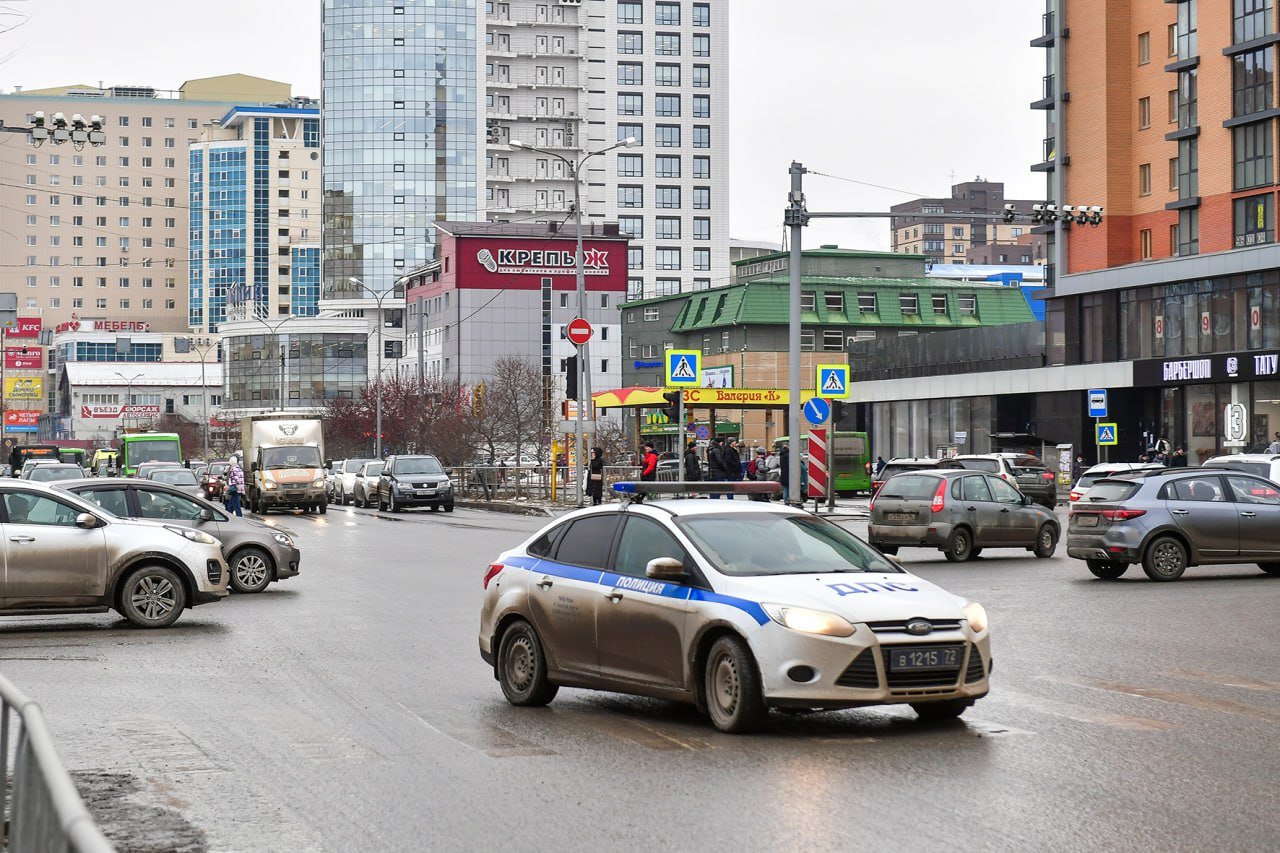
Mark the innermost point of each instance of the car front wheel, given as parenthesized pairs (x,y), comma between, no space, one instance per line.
(947,709)
(959,545)
(1165,559)
(250,570)
(1046,541)
(735,698)
(522,668)
(152,597)
(1108,570)
(391,502)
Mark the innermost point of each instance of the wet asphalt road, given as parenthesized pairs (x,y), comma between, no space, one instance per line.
(348,709)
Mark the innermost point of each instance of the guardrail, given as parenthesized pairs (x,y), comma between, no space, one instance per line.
(533,483)
(43,811)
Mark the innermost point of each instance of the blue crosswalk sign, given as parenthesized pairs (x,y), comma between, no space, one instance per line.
(1106,434)
(833,381)
(684,367)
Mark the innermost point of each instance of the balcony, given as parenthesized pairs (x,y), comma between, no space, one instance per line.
(1047,33)
(1048,89)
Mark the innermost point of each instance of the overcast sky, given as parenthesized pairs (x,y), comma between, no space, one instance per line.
(904,95)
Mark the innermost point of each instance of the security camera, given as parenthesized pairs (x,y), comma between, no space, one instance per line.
(37,118)
(59,119)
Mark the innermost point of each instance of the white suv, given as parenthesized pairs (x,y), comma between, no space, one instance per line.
(65,555)
(1262,464)
(344,479)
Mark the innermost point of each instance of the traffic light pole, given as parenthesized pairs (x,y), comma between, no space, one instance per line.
(681,437)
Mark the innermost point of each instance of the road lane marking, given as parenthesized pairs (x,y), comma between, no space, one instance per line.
(493,741)
(1191,700)
(1079,713)
(1227,680)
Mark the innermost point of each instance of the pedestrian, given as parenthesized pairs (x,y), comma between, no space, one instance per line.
(1179,459)
(692,467)
(784,467)
(880,463)
(1275,445)
(235,487)
(649,464)
(717,463)
(732,463)
(595,477)
(757,469)
(1077,468)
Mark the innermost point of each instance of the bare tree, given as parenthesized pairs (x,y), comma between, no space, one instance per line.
(513,405)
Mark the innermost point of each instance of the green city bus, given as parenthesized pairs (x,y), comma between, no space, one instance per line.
(850,457)
(136,448)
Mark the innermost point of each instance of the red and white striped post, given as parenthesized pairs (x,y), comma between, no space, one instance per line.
(818,469)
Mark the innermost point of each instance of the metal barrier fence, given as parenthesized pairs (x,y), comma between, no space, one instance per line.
(498,483)
(43,811)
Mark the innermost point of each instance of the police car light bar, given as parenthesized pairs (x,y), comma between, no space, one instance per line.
(745,487)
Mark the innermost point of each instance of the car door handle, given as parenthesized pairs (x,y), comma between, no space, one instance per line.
(22,538)
(613,595)
(1248,515)
(545,582)
(1004,509)
(1180,511)
(972,508)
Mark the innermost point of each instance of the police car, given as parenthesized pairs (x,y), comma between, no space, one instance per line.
(734,606)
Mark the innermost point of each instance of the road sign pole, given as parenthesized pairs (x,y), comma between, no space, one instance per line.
(577,479)
(680,436)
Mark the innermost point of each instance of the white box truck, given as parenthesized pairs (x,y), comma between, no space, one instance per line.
(283,463)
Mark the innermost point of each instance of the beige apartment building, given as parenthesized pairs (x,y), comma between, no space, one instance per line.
(102,233)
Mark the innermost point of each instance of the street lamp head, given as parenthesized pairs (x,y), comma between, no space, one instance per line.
(516,143)
(355,281)
(630,142)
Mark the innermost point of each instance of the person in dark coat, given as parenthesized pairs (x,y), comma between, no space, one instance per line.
(595,477)
(692,467)
(732,463)
(785,468)
(716,463)
(649,465)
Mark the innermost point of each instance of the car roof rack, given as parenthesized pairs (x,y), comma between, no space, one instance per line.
(635,492)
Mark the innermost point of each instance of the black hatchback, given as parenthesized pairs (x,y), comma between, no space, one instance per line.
(408,481)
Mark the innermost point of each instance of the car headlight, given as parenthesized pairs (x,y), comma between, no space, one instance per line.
(446,486)
(318,484)
(193,535)
(282,539)
(270,485)
(809,621)
(976,615)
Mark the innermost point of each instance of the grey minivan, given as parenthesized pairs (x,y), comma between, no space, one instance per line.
(959,512)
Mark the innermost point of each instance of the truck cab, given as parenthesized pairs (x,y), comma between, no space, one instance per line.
(284,464)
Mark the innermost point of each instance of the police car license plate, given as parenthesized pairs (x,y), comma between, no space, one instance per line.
(909,659)
(900,516)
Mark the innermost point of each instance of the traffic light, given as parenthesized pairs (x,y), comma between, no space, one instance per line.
(571,378)
(477,400)
(672,409)
(837,412)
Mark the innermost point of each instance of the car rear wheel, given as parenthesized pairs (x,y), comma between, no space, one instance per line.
(1107,569)
(959,546)
(1270,568)
(947,709)
(735,699)
(324,507)
(522,669)
(152,597)
(250,570)
(1165,559)
(448,507)
(1046,541)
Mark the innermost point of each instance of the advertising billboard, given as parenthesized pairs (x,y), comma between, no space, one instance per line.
(511,263)
(23,358)
(24,388)
(115,411)
(25,327)
(21,420)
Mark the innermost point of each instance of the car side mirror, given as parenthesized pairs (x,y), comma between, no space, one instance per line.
(665,569)
(1026,500)
(86,521)
(206,514)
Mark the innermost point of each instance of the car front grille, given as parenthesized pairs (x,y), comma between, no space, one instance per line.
(214,569)
(974,672)
(899,626)
(860,673)
(912,679)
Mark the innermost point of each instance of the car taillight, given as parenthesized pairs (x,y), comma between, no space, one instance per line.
(1048,475)
(1074,496)
(1122,514)
(939,502)
(494,569)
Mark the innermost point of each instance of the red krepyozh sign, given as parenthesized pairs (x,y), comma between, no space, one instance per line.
(94,412)
(26,327)
(522,263)
(23,358)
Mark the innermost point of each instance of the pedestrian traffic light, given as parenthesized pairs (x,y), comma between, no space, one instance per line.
(571,378)
(837,411)
(672,409)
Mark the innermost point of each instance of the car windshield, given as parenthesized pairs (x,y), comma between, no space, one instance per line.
(277,458)
(417,465)
(772,543)
(157,450)
(991,466)
(910,487)
(217,469)
(892,470)
(1110,491)
(52,473)
(174,476)
(353,465)
(1262,469)
(373,469)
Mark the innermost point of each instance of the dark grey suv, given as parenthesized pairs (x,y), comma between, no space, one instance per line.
(959,512)
(1025,471)
(1171,519)
(408,481)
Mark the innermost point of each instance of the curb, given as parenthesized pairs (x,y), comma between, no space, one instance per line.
(509,508)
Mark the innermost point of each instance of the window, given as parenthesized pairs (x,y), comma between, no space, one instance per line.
(629,196)
(1254,220)
(701,45)
(702,76)
(165,505)
(1144,113)
(701,198)
(1172,35)
(702,168)
(702,260)
(31,508)
(702,106)
(667,286)
(967,303)
(668,197)
(1144,239)
(668,166)
(1188,168)
(668,228)
(866,303)
(635,257)
(667,135)
(1200,489)
(1252,152)
(666,74)
(940,304)
(630,43)
(808,301)
(630,12)
(1188,40)
(667,44)
(667,14)
(631,130)
(633,225)
(630,166)
(701,15)
(1252,20)
(630,74)
(701,228)
(806,340)
(1144,48)
(701,136)
(667,105)
(1173,174)
(668,258)
(832,340)
(1253,81)
(909,303)
(1144,179)
(834,300)
(1188,232)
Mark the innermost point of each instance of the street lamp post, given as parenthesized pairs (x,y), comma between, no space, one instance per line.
(584,357)
(377,392)
(128,393)
(204,346)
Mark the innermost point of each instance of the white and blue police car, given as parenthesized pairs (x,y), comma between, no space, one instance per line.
(734,606)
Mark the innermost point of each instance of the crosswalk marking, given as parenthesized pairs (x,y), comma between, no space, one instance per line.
(1227,680)
(1071,711)
(1191,700)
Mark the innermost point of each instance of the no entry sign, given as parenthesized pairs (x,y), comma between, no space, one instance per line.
(578,331)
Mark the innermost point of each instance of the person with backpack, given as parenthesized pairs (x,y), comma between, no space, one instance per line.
(758,471)
(692,465)
(716,465)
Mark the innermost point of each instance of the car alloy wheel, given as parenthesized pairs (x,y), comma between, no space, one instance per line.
(250,571)
(152,597)
(1165,560)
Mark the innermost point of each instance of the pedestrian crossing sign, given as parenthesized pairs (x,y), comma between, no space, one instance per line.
(833,382)
(1107,435)
(684,368)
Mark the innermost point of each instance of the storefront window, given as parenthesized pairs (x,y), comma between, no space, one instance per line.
(1173,326)
(1255,318)
(920,428)
(940,433)
(1055,329)
(980,424)
(1271,316)
(1202,423)
(1204,314)
(1265,418)
(1172,426)
(901,429)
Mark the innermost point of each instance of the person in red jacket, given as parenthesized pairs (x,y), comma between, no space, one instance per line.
(649,464)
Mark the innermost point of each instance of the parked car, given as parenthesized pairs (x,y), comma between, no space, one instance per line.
(256,553)
(407,481)
(364,485)
(198,468)
(24,472)
(1174,518)
(51,472)
(181,478)
(960,512)
(1104,470)
(1266,465)
(214,481)
(344,484)
(145,469)
(66,555)
(897,466)
(1025,471)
